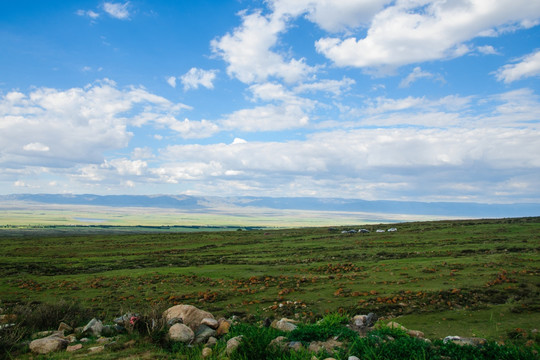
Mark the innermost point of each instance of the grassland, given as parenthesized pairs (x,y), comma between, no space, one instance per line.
(29,214)
(468,278)
(471,278)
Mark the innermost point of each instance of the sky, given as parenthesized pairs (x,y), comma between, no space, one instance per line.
(427,100)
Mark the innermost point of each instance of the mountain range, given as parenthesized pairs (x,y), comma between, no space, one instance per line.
(204,203)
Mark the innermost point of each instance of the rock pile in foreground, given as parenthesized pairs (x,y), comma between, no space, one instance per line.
(189,325)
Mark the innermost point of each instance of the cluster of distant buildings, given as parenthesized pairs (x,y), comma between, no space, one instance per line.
(365,231)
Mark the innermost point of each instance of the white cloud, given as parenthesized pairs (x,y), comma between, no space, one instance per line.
(248,51)
(267,118)
(195,77)
(90,13)
(527,66)
(58,128)
(36,146)
(171,80)
(331,15)
(416,74)
(336,87)
(125,166)
(376,161)
(487,50)
(117,10)
(415,31)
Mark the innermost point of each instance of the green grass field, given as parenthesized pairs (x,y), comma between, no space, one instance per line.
(477,277)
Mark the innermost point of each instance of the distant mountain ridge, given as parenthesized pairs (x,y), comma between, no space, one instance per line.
(202,203)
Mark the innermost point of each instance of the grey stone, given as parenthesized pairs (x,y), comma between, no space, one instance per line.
(212,323)
(93,328)
(279,343)
(48,344)
(233,343)
(181,333)
(283,325)
(203,333)
(190,315)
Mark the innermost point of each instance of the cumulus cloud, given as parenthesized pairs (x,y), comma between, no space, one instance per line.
(248,51)
(408,32)
(58,128)
(195,77)
(331,15)
(528,66)
(117,10)
(380,161)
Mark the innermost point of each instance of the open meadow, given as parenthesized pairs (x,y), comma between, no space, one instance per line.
(467,277)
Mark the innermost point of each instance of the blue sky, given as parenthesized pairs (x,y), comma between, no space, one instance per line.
(425,100)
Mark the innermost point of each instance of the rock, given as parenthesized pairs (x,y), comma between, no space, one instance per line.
(416,333)
(93,328)
(73,348)
(206,352)
(329,345)
(461,341)
(223,327)
(96,349)
(353,358)
(371,319)
(279,343)
(395,325)
(104,340)
(71,338)
(295,345)
(211,342)
(329,358)
(190,315)
(181,333)
(233,343)
(212,323)
(315,346)
(283,325)
(175,320)
(203,333)
(48,344)
(360,320)
(65,327)
(84,340)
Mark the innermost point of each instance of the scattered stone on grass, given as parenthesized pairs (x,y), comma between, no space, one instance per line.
(96,349)
(233,343)
(72,348)
(203,333)
(279,343)
(65,327)
(48,344)
(181,333)
(283,325)
(223,327)
(190,315)
(206,352)
(93,328)
(462,341)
